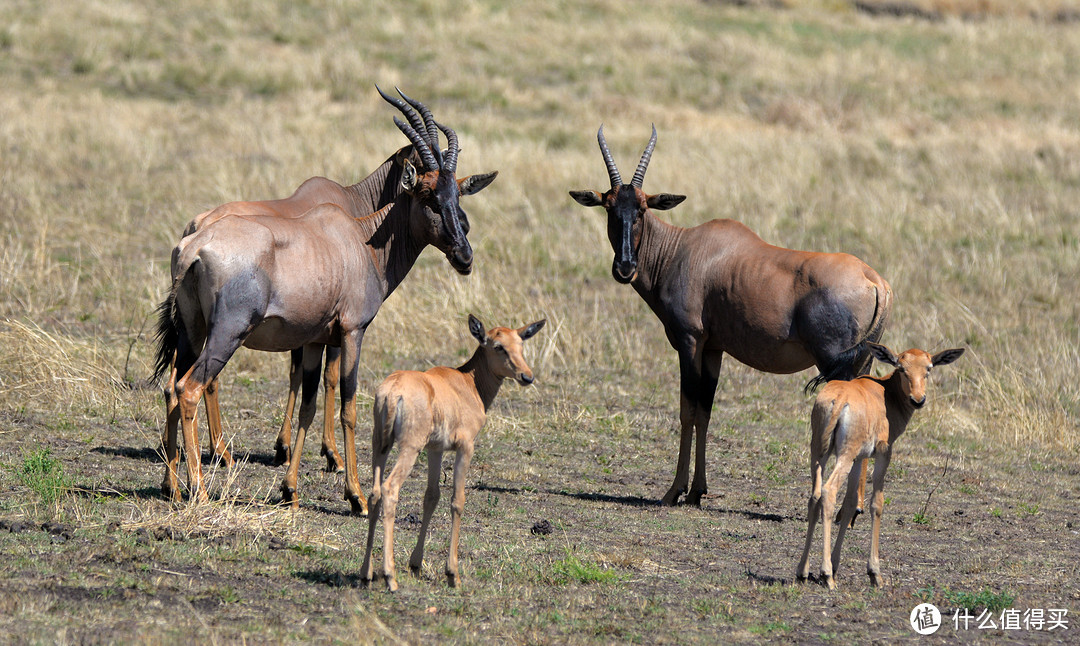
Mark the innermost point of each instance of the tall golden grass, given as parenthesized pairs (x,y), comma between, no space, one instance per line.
(943,153)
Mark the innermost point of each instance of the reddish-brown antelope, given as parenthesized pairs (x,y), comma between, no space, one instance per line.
(280,283)
(856,420)
(718,288)
(440,410)
(379,189)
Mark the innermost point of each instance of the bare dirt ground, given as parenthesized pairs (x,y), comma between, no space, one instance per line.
(115,563)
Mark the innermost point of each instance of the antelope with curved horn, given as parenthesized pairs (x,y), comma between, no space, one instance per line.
(718,288)
(281,283)
(366,196)
(442,409)
(856,420)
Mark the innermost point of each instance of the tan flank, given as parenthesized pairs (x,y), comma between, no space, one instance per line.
(442,409)
(857,420)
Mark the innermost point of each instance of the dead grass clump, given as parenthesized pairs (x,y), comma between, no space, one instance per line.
(52,371)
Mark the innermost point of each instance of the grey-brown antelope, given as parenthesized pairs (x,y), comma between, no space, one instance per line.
(440,410)
(855,420)
(255,278)
(718,288)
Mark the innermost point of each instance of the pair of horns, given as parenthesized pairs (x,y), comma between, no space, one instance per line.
(613,171)
(420,120)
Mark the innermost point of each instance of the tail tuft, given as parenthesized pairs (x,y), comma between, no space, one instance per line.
(168,335)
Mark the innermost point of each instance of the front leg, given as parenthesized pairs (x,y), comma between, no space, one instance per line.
(710,371)
(877,503)
(457,508)
(350,361)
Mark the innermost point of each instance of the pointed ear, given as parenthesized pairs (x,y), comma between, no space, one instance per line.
(883,354)
(528,331)
(408,176)
(475,183)
(587,198)
(664,201)
(947,356)
(476,328)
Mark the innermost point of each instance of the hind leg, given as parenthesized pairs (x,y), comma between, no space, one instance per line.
(213,422)
(312,361)
(331,374)
(283,446)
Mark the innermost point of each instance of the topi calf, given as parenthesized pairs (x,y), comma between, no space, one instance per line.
(855,420)
(442,409)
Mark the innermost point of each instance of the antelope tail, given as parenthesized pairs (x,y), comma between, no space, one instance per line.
(382,439)
(168,335)
(856,360)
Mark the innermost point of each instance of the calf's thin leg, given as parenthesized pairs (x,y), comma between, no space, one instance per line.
(391,487)
(813,510)
(431,500)
(828,502)
(457,508)
(873,565)
(381,443)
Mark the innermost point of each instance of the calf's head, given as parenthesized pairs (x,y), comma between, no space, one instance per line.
(913,367)
(626,205)
(503,349)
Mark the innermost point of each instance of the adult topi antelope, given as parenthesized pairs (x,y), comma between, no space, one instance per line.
(442,409)
(856,420)
(718,288)
(281,283)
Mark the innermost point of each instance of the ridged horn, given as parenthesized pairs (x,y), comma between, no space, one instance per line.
(639,174)
(410,129)
(612,170)
(432,131)
(450,160)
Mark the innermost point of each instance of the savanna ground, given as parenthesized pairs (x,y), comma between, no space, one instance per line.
(939,141)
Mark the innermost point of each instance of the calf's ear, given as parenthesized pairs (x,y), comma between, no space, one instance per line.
(531,329)
(476,328)
(883,354)
(947,356)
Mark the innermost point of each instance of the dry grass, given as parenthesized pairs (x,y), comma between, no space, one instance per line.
(942,152)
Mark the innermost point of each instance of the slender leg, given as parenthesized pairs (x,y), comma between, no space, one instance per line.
(813,510)
(190,392)
(170,486)
(350,359)
(861,502)
(331,374)
(457,508)
(873,566)
(690,377)
(828,502)
(431,499)
(382,439)
(312,361)
(710,371)
(847,512)
(283,446)
(213,422)
(391,487)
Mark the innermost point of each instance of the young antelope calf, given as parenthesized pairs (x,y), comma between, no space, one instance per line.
(855,420)
(442,409)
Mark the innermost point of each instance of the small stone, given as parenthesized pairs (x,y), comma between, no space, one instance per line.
(542,528)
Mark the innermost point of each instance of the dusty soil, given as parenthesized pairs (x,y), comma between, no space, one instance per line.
(115,563)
